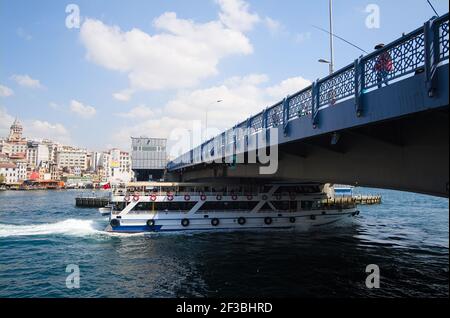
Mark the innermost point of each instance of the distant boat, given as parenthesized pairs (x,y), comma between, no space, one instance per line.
(105,210)
(341,190)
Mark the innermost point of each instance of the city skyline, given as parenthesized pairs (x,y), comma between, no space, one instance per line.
(116,77)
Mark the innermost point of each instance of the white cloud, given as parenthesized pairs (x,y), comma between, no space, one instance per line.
(5,122)
(289,86)
(274,26)
(181,54)
(139,112)
(124,95)
(34,129)
(5,91)
(44,130)
(82,110)
(26,81)
(236,16)
(241,97)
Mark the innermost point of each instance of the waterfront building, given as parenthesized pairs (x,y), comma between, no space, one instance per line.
(9,171)
(5,147)
(21,165)
(3,157)
(149,158)
(37,153)
(119,166)
(71,158)
(52,149)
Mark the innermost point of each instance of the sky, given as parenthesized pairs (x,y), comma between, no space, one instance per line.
(148,68)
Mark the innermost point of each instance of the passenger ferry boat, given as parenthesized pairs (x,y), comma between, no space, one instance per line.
(160,207)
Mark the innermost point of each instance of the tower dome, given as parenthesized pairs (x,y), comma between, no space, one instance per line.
(15,132)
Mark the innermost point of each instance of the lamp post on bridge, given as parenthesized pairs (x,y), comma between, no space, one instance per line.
(331,33)
(330,5)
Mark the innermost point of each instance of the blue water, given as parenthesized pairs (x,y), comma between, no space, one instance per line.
(42,232)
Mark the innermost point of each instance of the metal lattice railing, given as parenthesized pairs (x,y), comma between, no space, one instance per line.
(256,122)
(339,86)
(300,104)
(275,115)
(406,57)
(443,40)
(411,53)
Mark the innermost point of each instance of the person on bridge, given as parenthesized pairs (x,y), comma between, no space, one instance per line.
(383,66)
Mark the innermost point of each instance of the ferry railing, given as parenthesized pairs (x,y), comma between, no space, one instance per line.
(421,50)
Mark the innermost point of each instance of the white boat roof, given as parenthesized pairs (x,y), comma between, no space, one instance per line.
(213,183)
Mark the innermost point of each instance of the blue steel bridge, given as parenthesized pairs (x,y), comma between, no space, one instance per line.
(345,129)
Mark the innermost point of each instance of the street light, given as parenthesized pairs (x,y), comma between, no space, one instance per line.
(206,118)
(331,61)
(329,64)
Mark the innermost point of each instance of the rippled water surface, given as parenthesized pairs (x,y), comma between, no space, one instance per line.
(42,232)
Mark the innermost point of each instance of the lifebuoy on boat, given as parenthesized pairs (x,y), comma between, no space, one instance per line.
(153,197)
(241,221)
(215,222)
(114,223)
(203,197)
(249,197)
(292,219)
(136,197)
(151,223)
(268,220)
(234,197)
(185,222)
(170,197)
(127,198)
(264,197)
(187,197)
(219,197)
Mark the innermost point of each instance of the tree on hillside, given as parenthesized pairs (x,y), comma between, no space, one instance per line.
(2,179)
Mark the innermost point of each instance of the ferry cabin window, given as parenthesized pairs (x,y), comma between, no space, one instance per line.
(285,205)
(307,205)
(164,206)
(228,206)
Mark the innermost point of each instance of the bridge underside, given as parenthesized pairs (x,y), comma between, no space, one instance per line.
(409,153)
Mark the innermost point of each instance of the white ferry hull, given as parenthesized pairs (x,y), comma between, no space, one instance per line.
(168,222)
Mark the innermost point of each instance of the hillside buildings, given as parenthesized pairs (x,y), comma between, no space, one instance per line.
(24,159)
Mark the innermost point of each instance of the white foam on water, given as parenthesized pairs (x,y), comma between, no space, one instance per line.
(71,227)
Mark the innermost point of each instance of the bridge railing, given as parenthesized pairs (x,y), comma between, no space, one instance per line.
(421,50)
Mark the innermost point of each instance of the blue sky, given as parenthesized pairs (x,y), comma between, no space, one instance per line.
(148,67)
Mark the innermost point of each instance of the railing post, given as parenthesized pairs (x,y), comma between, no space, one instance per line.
(285,115)
(359,85)
(264,124)
(431,59)
(247,132)
(315,103)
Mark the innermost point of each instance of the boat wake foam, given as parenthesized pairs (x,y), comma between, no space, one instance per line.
(72,227)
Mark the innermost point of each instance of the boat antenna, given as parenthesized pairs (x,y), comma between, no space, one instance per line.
(432,7)
(340,38)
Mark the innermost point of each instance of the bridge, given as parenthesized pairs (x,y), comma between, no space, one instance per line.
(348,127)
